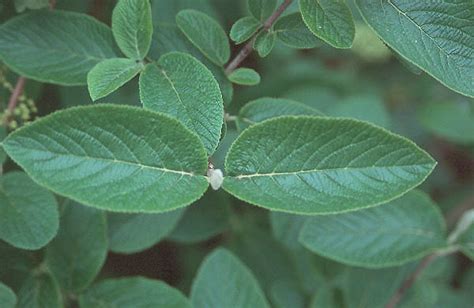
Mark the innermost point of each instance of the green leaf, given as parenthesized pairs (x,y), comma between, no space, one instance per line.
(131,233)
(403,230)
(206,34)
(285,295)
(132,27)
(109,75)
(78,252)
(28,213)
(264,43)
(453,121)
(330,20)
(181,87)
(373,288)
(286,228)
(3,135)
(245,76)
(261,9)
(7,297)
(313,165)
(40,291)
(223,281)
(21,5)
(466,241)
(243,29)
(132,292)
(203,220)
(434,35)
(55,46)
(266,108)
(292,31)
(118,158)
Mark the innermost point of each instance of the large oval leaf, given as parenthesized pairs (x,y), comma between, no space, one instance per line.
(77,253)
(314,165)
(224,281)
(29,216)
(113,157)
(55,46)
(7,297)
(403,230)
(185,89)
(437,36)
(330,20)
(133,292)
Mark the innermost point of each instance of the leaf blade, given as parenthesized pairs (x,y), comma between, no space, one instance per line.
(279,164)
(120,144)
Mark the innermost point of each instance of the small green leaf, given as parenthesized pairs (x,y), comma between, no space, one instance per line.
(266,108)
(109,75)
(245,76)
(118,158)
(453,121)
(243,29)
(330,20)
(434,35)
(314,165)
(182,87)
(292,31)
(55,46)
(466,241)
(3,135)
(7,297)
(261,9)
(21,5)
(78,252)
(224,281)
(28,213)
(264,43)
(403,230)
(132,292)
(206,34)
(132,233)
(40,291)
(208,217)
(132,27)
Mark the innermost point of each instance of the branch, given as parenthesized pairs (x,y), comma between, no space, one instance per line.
(17,91)
(455,213)
(247,49)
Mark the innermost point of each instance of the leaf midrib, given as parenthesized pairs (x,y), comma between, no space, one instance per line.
(273,174)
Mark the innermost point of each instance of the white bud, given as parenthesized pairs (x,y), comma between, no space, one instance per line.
(215,177)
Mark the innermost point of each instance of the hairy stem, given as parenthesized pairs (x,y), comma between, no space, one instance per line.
(13,101)
(247,49)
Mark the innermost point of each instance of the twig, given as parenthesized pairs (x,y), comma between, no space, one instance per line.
(17,91)
(455,213)
(52,4)
(247,49)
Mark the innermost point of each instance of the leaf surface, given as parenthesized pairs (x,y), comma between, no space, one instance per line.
(245,76)
(223,281)
(329,20)
(113,157)
(131,233)
(244,28)
(314,165)
(133,292)
(261,9)
(434,35)
(77,253)
(292,31)
(132,27)
(206,34)
(403,230)
(29,216)
(40,291)
(7,297)
(111,74)
(183,88)
(55,46)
